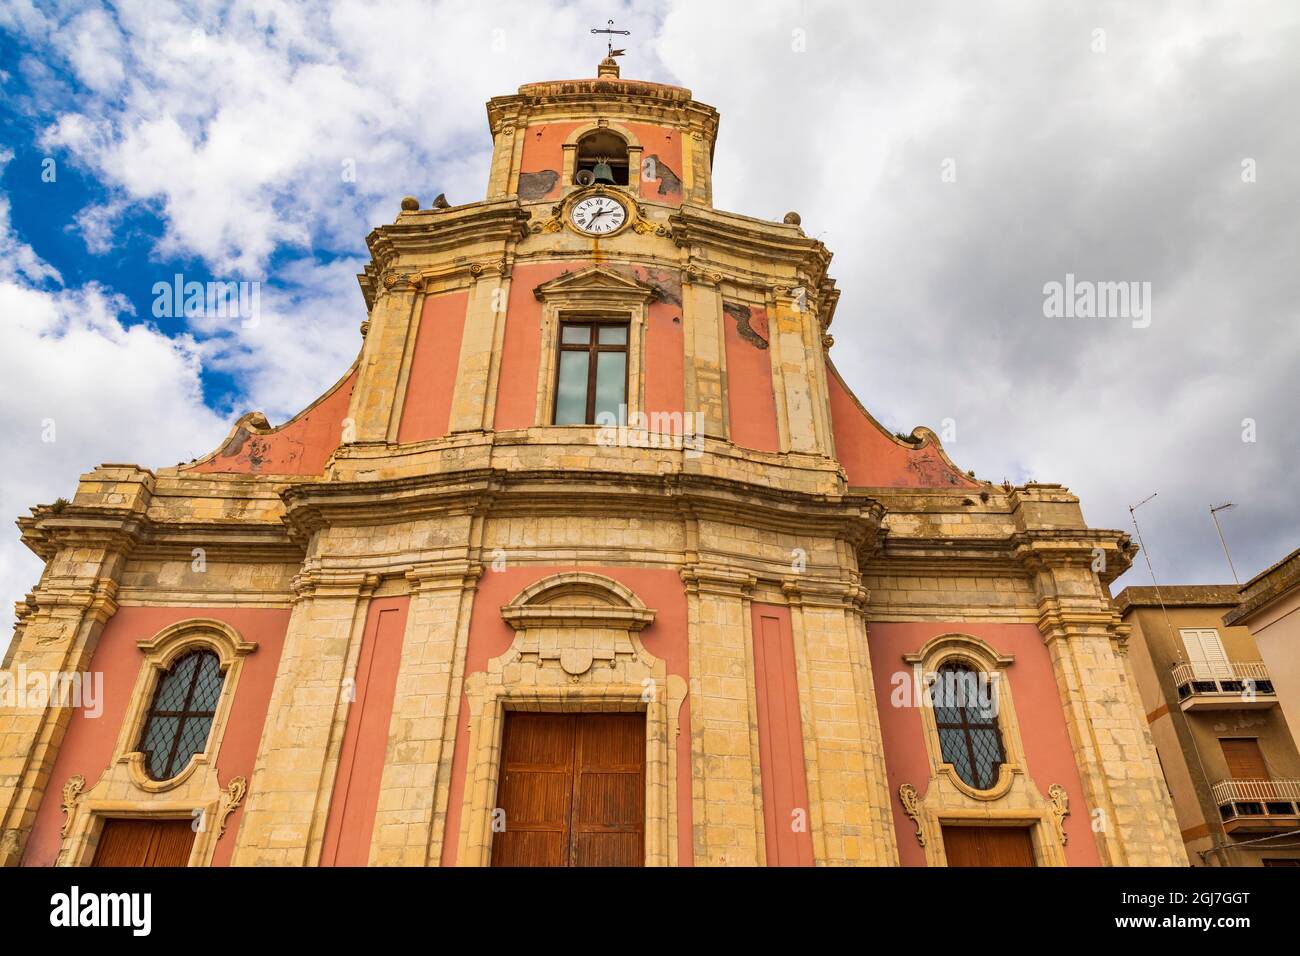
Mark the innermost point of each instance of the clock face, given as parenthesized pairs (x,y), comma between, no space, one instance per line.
(598,215)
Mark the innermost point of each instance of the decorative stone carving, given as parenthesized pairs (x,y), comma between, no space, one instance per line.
(696,274)
(912,807)
(71,791)
(234,796)
(1060,809)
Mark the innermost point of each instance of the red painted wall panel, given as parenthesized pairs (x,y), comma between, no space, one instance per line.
(664,143)
(351,819)
(521,350)
(88,745)
(301,446)
(427,409)
(544,149)
(874,459)
(780,739)
(751,401)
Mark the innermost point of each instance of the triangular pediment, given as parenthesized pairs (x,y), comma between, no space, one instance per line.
(595,280)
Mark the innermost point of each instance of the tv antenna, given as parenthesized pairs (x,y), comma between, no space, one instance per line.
(1214,513)
(1132,510)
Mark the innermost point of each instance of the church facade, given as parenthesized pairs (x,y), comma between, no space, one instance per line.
(591,558)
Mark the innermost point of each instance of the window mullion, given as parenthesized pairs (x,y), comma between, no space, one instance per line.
(592,353)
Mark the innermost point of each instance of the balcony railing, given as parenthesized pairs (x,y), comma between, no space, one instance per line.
(1239,685)
(1258,804)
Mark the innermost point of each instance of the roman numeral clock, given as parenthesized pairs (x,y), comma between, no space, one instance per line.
(598,215)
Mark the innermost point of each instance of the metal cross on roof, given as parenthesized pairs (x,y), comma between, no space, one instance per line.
(610,41)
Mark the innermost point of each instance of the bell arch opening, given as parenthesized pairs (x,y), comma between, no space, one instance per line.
(602,158)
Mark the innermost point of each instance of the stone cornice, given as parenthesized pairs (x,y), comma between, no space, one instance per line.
(47,530)
(404,249)
(311,507)
(612,98)
(1045,549)
(714,579)
(137,535)
(1266,587)
(1033,551)
(700,227)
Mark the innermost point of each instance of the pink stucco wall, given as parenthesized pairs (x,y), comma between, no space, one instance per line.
(88,746)
(1049,756)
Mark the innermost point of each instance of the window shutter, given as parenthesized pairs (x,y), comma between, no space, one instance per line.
(1244,758)
(1205,652)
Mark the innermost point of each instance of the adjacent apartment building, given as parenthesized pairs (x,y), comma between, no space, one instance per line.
(1268,609)
(1219,727)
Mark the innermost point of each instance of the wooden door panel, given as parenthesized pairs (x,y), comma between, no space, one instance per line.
(536,798)
(535,790)
(573,790)
(609,801)
(1007,846)
(616,741)
(609,791)
(988,846)
(538,741)
(143,843)
(515,847)
(175,839)
(608,849)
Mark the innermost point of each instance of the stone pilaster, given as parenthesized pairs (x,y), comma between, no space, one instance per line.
(795,356)
(473,402)
(415,787)
(1133,818)
(725,784)
(289,795)
(843,748)
(375,397)
(705,353)
(85,545)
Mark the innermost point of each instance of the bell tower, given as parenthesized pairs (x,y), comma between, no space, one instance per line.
(649,139)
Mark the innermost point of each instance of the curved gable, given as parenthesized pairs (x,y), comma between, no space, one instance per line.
(873,458)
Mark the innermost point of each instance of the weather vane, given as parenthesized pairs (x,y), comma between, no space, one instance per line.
(610,41)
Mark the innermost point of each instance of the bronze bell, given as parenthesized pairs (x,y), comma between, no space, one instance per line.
(602,172)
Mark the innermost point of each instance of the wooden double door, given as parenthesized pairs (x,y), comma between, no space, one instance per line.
(144,843)
(988,846)
(571,791)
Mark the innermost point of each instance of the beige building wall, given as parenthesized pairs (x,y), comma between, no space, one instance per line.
(1188,741)
(1270,610)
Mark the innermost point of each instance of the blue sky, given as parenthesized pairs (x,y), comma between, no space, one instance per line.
(213,139)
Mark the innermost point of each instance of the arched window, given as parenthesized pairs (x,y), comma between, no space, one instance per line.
(966,714)
(603,154)
(180,716)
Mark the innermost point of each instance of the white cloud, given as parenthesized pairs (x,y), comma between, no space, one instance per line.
(98,225)
(1123,165)
(81,387)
